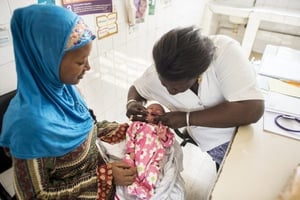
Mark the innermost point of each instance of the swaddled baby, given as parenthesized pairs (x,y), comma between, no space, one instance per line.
(145,149)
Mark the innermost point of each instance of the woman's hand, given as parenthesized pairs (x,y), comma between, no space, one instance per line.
(123,174)
(173,120)
(136,111)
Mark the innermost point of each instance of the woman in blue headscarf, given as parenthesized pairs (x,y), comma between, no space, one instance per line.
(48,128)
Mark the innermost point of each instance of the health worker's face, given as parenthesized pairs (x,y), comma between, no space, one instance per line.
(175,87)
(74,65)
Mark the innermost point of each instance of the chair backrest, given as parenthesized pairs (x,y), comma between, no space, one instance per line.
(4,102)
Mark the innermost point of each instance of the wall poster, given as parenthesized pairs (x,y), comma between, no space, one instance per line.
(141,10)
(107,25)
(84,7)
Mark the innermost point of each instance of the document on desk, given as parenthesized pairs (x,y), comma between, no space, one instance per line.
(281,87)
(281,62)
(277,104)
(284,104)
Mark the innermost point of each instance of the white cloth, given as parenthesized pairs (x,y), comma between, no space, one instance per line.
(170,185)
(229,77)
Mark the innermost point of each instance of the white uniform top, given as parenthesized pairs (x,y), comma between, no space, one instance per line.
(229,77)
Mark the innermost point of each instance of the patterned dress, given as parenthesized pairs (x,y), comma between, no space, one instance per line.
(80,174)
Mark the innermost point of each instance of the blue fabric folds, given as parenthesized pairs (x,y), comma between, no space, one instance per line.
(46,118)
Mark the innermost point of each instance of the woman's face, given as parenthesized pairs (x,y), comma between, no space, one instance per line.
(74,64)
(175,87)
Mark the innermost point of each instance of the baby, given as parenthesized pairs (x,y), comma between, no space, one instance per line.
(145,148)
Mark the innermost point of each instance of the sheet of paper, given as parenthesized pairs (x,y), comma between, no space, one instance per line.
(281,63)
(283,104)
(281,87)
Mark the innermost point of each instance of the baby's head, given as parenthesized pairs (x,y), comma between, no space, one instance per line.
(154,110)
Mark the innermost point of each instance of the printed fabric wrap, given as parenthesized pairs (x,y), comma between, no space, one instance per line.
(81,174)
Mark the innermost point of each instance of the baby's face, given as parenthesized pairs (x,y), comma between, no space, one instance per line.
(154,110)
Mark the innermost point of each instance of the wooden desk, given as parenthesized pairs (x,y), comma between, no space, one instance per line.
(257,166)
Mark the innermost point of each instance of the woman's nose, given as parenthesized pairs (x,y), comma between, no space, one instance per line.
(87,66)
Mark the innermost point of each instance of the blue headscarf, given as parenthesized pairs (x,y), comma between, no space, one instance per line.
(46,118)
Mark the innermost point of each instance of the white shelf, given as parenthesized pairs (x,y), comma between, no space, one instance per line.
(250,15)
(225,9)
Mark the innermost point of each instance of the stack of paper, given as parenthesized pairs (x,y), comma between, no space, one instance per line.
(283,104)
(281,65)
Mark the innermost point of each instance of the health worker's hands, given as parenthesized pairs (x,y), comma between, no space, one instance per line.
(174,120)
(136,112)
(123,174)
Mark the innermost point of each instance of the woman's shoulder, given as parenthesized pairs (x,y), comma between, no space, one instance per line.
(150,71)
(225,47)
(221,42)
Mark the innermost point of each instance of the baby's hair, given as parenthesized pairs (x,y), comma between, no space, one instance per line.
(157,104)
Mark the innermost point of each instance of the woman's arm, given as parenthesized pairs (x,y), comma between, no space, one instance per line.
(133,94)
(226,114)
(37,179)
